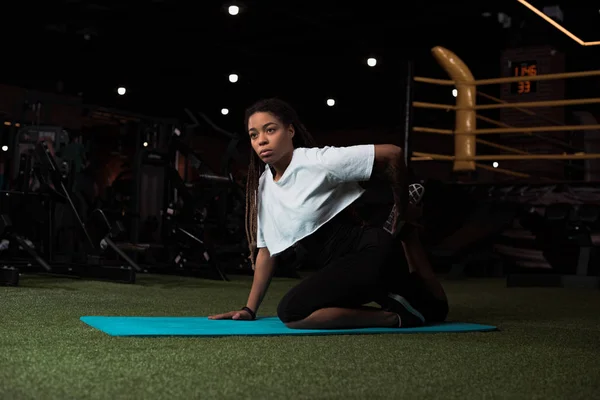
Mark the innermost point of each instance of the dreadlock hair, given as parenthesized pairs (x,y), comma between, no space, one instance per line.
(302,138)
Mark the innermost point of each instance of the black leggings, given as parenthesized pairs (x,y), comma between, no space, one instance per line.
(356,265)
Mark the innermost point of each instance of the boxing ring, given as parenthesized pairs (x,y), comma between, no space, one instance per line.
(527,187)
(465,133)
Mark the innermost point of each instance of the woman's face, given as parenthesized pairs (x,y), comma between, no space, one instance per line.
(269,137)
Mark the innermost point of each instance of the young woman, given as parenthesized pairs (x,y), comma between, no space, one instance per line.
(304,197)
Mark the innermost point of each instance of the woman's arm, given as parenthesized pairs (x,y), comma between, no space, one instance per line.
(263,272)
(389,166)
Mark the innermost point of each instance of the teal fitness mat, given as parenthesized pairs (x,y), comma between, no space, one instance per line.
(267,326)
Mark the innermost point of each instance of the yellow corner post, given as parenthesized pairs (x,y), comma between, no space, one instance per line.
(464,144)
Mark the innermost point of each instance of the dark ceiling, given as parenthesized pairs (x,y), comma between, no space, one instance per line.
(171,54)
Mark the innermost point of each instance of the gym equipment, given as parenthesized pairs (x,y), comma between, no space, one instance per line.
(167,226)
(534,234)
(184,227)
(107,234)
(9,276)
(26,229)
(265,326)
(149,196)
(471,243)
(26,139)
(220,215)
(180,224)
(171,226)
(565,233)
(187,214)
(54,178)
(231,153)
(50,178)
(196,202)
(8,234)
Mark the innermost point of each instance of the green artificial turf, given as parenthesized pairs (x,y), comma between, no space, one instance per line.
(548,346)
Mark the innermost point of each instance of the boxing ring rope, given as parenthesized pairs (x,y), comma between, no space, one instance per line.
(465,133)
(528,112)
(493,81)
(547,103)
(517,151)
(440,157)
(530,130)
(555,141)
(507,157)
(480,141)
(523,110)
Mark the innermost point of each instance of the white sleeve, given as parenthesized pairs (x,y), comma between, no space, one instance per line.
(347,164)
(260,240)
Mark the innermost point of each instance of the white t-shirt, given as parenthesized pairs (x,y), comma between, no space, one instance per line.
(318,184)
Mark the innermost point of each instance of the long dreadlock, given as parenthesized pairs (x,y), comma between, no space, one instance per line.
(302,138)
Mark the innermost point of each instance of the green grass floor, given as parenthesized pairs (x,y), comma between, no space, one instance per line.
(548,347)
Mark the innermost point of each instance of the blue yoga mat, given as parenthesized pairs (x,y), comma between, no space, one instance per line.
(267,326)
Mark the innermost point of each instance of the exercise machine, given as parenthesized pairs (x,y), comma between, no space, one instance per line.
(9,275)
(568,236)
(179,220)
(44,177)
(185,216)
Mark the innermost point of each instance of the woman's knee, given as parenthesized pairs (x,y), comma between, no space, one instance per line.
(288,311)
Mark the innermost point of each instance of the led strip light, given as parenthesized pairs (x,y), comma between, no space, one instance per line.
(557,25)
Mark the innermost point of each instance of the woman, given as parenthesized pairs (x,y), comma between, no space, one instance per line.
(304,197)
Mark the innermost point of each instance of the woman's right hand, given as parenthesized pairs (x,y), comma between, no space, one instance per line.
(240,315)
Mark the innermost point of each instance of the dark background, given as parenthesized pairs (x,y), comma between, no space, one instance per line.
(170,54)
(173,54)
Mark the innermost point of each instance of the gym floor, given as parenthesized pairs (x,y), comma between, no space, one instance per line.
(548,346)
